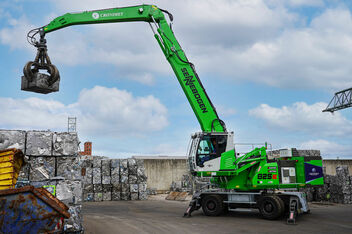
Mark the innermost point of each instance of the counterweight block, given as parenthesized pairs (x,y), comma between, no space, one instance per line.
(39,83)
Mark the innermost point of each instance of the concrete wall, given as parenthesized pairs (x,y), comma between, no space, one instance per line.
(331,164)
(162,171)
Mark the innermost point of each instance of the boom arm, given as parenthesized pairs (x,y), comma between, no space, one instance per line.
(184,70)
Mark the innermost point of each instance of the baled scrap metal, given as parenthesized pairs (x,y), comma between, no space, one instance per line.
(105,167)
(69,167)
(124,171)
(88,197)
(70,192)
(88,188)
(39,143)
(125,196)
(74,223)
(96,175)
(132,166)
(125,188)
(65,144)
(41,168)
(114,163)
(98,197)
(142,187)
(105,171)
(115,196)
(107,188)
(12,139)
(132,179)
(134,196)
(87,163)
(96,162)
(98,188)
(134,188)
(87,175)
(142,195)
(24,172)
(106,180)
(115,175)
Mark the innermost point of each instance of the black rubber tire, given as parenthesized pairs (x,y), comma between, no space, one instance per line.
(212,205)
(271,207)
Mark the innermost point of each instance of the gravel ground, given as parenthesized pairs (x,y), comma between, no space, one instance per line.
(161,216)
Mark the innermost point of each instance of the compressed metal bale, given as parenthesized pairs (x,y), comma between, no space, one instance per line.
(24,172)
(308,153)
(96,175)
(107,196)
(98,197)
(87,163)
(88,188)
(142,187)
(12,139)
(114,163)
(124,179)
(142,195)
(125,188)
(134,196)
(39,143)
(125,196)
(107,192)
(134,188)
(69,192)
(115,175)
(97,162)
(116,188)
(124,166)
(106,179)
(98,188)
(65,143)
(132,166)
(88,197)
(75,222)
(41,168)
(132,179)
(105,167)
(141,176)
(87,175)
(69,168)
(115,196)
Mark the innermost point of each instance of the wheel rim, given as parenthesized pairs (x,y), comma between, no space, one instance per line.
(268,207)
(211,205)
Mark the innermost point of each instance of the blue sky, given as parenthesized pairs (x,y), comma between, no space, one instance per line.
(269,67)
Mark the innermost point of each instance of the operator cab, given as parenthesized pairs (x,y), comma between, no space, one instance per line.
(206,148)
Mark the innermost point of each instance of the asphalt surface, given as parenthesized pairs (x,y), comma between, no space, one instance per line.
(166,217)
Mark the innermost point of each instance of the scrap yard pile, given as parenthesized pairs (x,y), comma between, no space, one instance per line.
(337,188)
(53,162)
(114,179)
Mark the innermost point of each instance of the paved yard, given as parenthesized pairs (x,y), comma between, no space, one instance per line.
(155,216)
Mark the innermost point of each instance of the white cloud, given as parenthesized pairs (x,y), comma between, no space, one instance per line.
(328,149)
(225,111)
(301,117)
(298,3)
(100,111)
(259,41)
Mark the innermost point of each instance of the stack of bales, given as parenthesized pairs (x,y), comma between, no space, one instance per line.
(114,180)
(336,189)
(52,162)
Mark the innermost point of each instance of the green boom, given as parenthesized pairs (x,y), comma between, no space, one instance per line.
(184,70)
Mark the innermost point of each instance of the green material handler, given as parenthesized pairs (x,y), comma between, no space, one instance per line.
(251,180)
